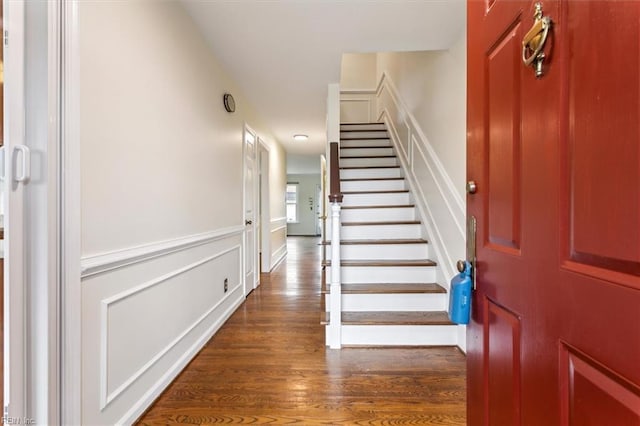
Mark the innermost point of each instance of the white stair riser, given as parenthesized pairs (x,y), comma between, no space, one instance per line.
(368,162)
(365,142)
(365,152)
(386,274)
(401,302)
(370,173)
(383,251)
(379,214)
(384,232)
(373,185)
(376,199)
(368,126)
(400,335)
(363,134)
(377,231)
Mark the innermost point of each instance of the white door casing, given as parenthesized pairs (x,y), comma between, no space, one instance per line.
(250,207)
(265,210)
(16,164)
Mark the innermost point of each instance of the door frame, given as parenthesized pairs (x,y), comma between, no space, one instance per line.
(265,207)
(64,32)
(248,287)
(48,303)
(15,298)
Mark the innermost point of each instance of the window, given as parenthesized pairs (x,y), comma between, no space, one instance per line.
(292,202)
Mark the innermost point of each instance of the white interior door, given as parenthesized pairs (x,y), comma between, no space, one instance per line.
(16,174)
(250,208)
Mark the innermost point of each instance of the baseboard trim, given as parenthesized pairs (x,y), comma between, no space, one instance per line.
(109,261)
(278,256)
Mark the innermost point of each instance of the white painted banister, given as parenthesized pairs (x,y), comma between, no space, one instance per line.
(334,329)
(334,336)
(335,295)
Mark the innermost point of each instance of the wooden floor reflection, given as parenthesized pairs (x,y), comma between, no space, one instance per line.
(268,365)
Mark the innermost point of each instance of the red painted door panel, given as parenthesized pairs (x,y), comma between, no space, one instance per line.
(555,331)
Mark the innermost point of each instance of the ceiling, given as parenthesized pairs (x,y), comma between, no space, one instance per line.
(284,53)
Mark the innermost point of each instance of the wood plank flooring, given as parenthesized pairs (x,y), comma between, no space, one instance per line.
(268,365)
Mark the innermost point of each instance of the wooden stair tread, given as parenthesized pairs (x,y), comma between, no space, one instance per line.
(366,147)
(369,167)
(363,130)
(370,138)
(383,262)
(389,222)
(379,241)
(385,206)
(390,288)
(373,178)
(391,318)
(367,156)
(388,191)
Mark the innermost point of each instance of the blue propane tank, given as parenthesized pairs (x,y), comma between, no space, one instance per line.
(460,300)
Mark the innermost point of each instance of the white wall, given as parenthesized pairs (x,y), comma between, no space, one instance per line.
(358,71)
(278,185)
(161,181)
(307,204)
(422,98)
(433,87)
(299,164)
(358,81)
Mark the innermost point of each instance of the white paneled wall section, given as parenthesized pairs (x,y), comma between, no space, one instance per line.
(161,202)
(357,106)
(147,311)
(439,203)
(278,240)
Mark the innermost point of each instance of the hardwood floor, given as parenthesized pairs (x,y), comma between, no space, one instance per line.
(268,365)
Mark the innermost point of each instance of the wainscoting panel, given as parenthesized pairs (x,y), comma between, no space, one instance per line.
(278,240)
(441,208)
(357,106)
(143,320)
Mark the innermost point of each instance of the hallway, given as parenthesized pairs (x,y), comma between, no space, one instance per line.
(268,365)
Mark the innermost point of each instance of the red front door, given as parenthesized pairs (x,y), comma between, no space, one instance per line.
(555,331)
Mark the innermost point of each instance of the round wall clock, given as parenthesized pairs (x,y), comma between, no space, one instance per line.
(229,102)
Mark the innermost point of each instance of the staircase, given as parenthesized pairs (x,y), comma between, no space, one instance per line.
(389,295)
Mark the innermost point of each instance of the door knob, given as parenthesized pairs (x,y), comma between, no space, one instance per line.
(248,222)
(472,187)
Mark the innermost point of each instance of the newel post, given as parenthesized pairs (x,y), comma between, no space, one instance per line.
(335,288)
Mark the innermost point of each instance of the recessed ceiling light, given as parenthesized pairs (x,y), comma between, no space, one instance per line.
(300,137)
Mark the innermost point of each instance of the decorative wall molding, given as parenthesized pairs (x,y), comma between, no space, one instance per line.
(105,396)
(444,214)
(278,224)
(357,106)
(150,396)
(105,262)
(278,256)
